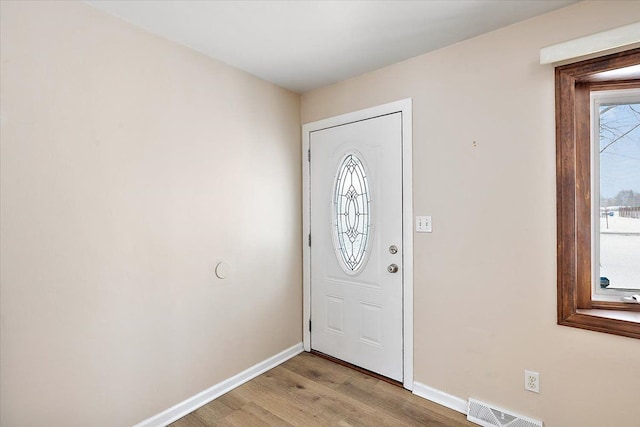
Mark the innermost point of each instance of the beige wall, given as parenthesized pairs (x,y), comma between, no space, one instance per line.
(485,290)
(129,167)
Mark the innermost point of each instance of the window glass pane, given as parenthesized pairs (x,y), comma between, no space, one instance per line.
(619,161)
(352,219)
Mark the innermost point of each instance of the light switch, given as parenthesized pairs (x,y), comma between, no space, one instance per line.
(423,224)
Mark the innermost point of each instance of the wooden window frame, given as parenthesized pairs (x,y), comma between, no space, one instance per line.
(574,82)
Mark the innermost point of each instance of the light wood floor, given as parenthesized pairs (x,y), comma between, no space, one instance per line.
(311,391)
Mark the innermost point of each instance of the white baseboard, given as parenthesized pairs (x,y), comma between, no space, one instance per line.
(191,404)
(440,397)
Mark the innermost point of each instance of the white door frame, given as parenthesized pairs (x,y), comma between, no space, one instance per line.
(404,107)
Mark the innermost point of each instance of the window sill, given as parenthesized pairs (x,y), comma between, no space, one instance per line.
(627,316)
(617,322)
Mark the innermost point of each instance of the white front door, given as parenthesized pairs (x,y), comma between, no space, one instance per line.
(356,243)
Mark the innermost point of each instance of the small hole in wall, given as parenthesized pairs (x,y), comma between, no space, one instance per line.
(475,144)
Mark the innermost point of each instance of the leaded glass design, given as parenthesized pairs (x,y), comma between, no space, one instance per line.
(352,221)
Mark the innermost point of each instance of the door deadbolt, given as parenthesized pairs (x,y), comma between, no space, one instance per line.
(393,249)
(393,268)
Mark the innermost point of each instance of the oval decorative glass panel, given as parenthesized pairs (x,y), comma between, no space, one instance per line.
(352,216)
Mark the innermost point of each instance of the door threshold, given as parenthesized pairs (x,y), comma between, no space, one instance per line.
(357,368)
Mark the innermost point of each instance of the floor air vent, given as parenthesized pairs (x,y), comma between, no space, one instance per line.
(491,416)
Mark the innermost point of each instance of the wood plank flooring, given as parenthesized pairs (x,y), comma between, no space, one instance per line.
(308,390)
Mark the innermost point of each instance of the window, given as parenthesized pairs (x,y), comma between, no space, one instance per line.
(615,186)
(596,105)
(352,218)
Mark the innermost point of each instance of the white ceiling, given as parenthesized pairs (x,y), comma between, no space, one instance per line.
(303,45)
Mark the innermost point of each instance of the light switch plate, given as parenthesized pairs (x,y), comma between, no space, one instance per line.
(423,224)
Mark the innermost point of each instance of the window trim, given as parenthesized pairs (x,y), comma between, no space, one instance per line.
(573,195)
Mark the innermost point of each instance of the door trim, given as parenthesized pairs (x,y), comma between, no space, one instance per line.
(405,107)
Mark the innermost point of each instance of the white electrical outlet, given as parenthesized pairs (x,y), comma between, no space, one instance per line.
(532,381)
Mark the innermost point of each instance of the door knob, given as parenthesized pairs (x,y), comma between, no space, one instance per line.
(393,268)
